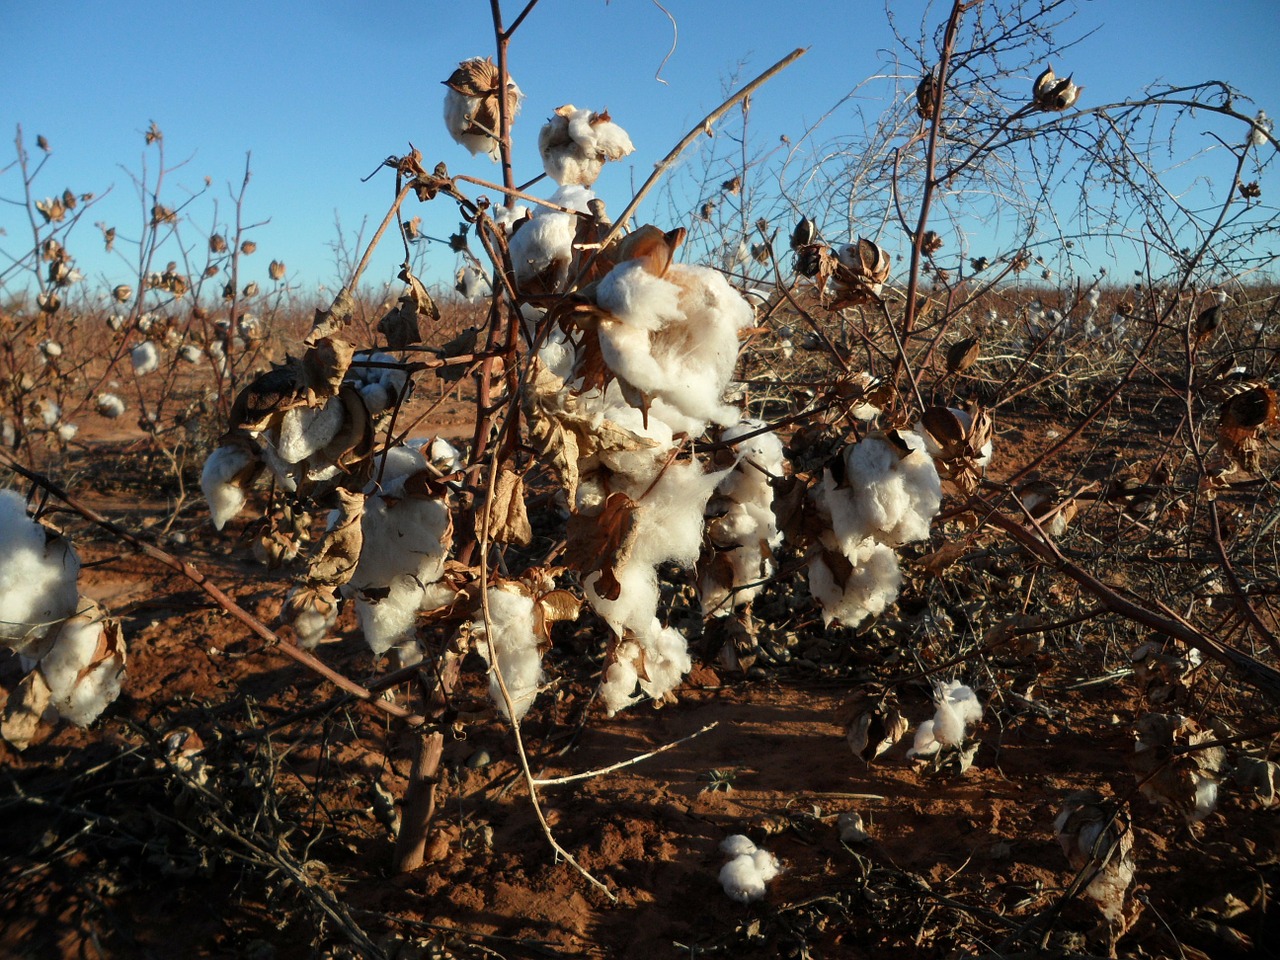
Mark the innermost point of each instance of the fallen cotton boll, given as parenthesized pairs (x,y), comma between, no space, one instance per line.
(38,571)
(145,358)
(749,869)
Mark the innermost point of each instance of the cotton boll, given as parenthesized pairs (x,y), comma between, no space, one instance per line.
(637,298)
(85,665)
(505,218)
(190,353)
(666,660)
(471,109)
(445,457)
(516,647)
(67,432)
(871,586)
(558,354)
(145,358)
(376,397)
(737,845)
(109,405)
(306,430)
(885,496)
(766,864)
(394,467)
(387,621)
(618,686)
(473,283)
(227,473)
(576,143)
(741,880)
(406,536)
(49,411)
(311,626)
(38,571)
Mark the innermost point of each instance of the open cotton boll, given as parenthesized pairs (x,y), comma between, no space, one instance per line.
(618,686)
(444,456)
(306,430)
(885,496)
(386,622)
(737,845)
(872,585)
(666,660)
(558,354)
(404,537)
(957,707)
(575,144)
(516,647)
(394,466)
(227,472)
(109,405)
(145,358)
(744,877)
(544,244)
(473,283)
(85,665)
(38,571)
(67,432)
(471,109)
(505,218)
(682,352)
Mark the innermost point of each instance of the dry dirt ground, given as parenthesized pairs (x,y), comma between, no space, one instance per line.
(275,841)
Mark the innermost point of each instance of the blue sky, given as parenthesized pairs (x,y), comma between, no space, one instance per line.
(320,92)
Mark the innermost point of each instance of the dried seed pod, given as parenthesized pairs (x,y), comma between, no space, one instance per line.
(276,270)
(927,96)
(930,243)
(1051,93)
(1207,323)
(1097,837)
(872,721)
(1186,781)
(1163,678)
(804,233)
(860,272)
(962,355)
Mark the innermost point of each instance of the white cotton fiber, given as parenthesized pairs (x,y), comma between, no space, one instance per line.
(737,845)
(394,466)
(82,671)
(461,113)
(618,686)
(221,482)
(544,244)
(575,144)
(884,497)
(109,405)
(401,537)
(145,358)
(682,352)
(38,571)
(871,586)
(388,621)
(749,868)
(306,430)
(956,706)
(934,449)
(516,646)
(473,283)
(311,626)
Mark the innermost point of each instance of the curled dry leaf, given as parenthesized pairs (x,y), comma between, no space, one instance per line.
(24,709)
(330,321)
(339,552)
(322,369)
(1164,678)
(604,542)
(962,355)
(508,520)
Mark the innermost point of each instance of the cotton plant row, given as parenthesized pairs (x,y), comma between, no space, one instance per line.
(73,652)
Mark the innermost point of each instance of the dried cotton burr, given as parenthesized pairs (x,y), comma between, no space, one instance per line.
(1186,781)
(1097,838)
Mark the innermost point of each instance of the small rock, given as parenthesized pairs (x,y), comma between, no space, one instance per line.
(851,828)
(479,760)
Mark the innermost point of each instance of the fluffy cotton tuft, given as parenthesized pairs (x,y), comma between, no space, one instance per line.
(473,283)
(749,869)
(109,405)
(389,620)
(575,144)
(744,530)
(306,430)
(38,571)
(516,647)
(871,585)
(223,479)
(145,358)
(957,706)
(675,338)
